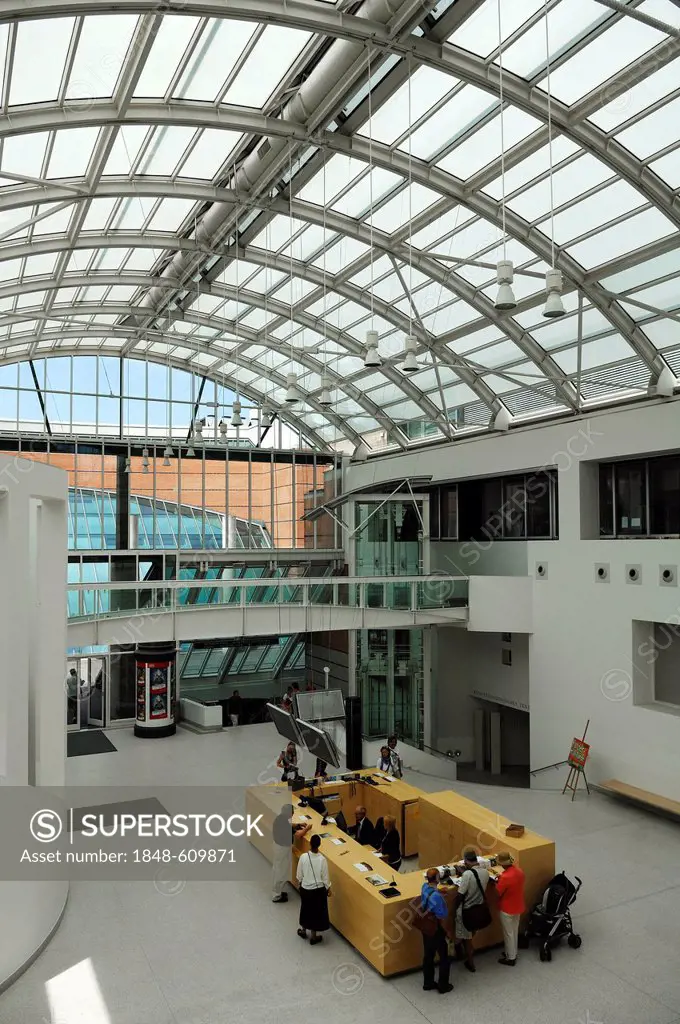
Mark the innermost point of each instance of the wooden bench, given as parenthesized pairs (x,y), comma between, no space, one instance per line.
(661,804)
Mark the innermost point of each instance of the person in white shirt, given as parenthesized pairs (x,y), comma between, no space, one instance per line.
(385,764)
(315,888)
(397,763)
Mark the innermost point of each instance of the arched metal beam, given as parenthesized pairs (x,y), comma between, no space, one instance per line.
(239,332)
(381,240)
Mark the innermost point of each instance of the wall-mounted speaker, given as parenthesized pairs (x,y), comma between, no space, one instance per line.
(541,570)
(668,575)
(633,573)
(602,572)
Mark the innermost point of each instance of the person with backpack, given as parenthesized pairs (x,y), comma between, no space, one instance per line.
(435,927)
(472,911)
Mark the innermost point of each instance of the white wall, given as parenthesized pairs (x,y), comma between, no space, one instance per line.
(33,556)
(469,667)
(581,648)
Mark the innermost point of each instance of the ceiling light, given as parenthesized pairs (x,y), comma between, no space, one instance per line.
(190,450)
(292,391)
(145,460)
(127,464)
(265,416)
(372,356)
(325,396)
(198,430)
(167,455)
(554,307)
(236,420)
(410,363)
(505,298)
(360,453)
(223,430)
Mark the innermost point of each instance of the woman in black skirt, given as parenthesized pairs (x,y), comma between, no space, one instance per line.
(315,888)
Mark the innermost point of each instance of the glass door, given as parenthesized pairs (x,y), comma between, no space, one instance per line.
(72,685)
(97,691)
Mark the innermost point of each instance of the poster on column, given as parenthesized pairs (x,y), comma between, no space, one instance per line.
(158,690)
(141,693)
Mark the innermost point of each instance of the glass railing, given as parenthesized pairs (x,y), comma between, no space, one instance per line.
(406,593)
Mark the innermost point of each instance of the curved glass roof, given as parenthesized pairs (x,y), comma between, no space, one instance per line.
(245,192)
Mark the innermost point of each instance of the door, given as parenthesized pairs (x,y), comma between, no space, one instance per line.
(73,686)
(97,691)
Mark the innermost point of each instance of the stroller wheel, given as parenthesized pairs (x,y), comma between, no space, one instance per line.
(545,953)
(523,940)
(575,941)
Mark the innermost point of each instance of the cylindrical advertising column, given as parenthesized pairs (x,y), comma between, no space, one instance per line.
(156,690)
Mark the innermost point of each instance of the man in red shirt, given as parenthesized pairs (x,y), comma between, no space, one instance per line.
(510,889)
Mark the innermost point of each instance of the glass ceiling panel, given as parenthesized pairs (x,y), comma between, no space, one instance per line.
(103,43)
(612,51)
(637,98)
(639,230)
(447,123)
(214,57)
(668,168)
(211,150)
(37,81)
(391,121)
(274,52)
(479,32)
(567,20)
(484,145)
(654,132)
(167,50)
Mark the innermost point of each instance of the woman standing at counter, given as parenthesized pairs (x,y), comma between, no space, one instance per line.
(315,887)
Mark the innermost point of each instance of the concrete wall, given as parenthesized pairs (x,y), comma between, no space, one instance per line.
(582,648)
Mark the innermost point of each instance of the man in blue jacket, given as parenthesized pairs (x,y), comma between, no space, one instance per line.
(432,901)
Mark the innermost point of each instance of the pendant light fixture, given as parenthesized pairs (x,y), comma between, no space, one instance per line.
(292,391)
(128,461)
(190,452)
(410,363)
(554,306)
(360,453)
(223,431)
(236,420)
(198,430)
(167,454)
(371,356)
(145,460)
(325,398)
(265,416)
(505,297)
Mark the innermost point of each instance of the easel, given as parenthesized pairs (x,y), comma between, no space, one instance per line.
(577,765)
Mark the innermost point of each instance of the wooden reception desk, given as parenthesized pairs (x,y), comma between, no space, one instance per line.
(379,928)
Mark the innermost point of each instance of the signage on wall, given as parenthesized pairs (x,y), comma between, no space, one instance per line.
(496,699)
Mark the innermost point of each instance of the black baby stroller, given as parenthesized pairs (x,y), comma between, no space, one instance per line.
(550,919)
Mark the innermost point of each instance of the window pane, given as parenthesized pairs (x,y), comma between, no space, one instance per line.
(664,496)
(631,498)
(606,501)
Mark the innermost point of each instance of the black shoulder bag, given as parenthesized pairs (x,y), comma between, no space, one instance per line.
(477,916)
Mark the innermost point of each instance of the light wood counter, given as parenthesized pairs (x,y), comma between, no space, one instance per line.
(379,928)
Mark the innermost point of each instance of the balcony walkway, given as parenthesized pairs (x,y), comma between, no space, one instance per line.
(125,613)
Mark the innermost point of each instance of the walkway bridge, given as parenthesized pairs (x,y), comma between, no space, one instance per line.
(131,612)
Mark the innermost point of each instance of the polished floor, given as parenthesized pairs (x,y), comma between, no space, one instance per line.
(214,953)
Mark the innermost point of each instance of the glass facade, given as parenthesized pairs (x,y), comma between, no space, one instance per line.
(389,669)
